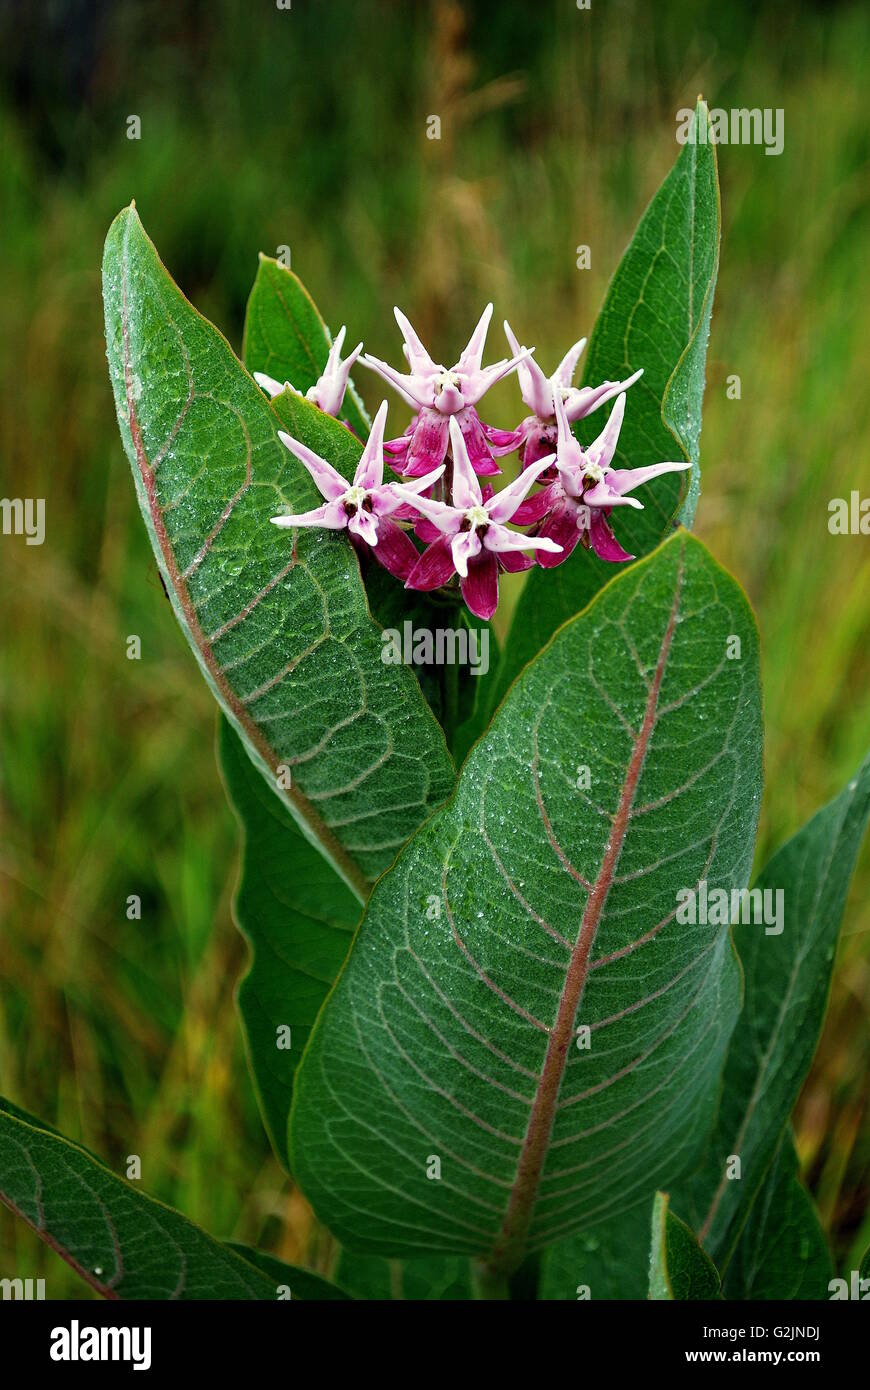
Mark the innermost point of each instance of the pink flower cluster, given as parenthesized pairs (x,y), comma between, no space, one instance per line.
(447,448)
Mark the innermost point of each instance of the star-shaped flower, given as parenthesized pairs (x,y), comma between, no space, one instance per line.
(438,394)
(367,506)
(536,435)
(575,506)
(469,537)
(328,391)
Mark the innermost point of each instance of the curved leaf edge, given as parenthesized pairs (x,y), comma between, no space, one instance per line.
(308,819)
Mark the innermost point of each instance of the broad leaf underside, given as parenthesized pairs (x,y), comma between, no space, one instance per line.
(787,980)
(123,1243)
(452,1030)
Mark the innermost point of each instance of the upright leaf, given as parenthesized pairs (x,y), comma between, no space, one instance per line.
(788,975)
(678,1268)
(286,337)
(782,1252)
(279,624)
(656,315)
(298,917)
(122,1242)
(524,1038)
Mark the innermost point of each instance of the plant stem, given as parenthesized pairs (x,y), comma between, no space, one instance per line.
(451,701)
(487,1285)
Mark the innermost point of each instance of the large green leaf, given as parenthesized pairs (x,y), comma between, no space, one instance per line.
(297,916)
(122,1242)
(656,315)
(609,1262)
(279,624)
(782,1252)
(286,336)
(787,981)
(530,906)
(678,1267)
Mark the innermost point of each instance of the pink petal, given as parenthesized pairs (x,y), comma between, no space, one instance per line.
(370,469)
(447,398)
(569,453)
(541,440)
(395,550)
(535,389)
(480,586)
(603,495)
(397,449)
(328,391)
(434,568)
(473,387)
(502,442)
(561,527)
(505,503)
(515,560)
(331,515)
(465,547)
(418,358)
(428,446)
(502,541)
(447,519)
(604,543)
(400,499)
(582,402)
(535,508)
(270,385)
(604,447)
(466,488)
(622,480)
(410,388)
(472,357)
(564,373)
(474,437)
(364,525)
(406,511)
(330,483)
(427,531)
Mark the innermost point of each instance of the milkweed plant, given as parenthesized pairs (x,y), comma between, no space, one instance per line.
(513,1014)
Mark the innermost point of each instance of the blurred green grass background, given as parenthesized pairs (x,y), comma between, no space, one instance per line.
(307,127)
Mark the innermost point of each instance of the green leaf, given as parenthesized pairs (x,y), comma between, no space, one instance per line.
(302,1283)
(122,1242)
(787,979)
(609,1262)
(435,1277)
(656,315)
(279,623)
(298,917)
(286,337)
(529,905)
(782,1251)
(678,1267)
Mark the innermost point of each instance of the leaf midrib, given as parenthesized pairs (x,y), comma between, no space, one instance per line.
(509,1246)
